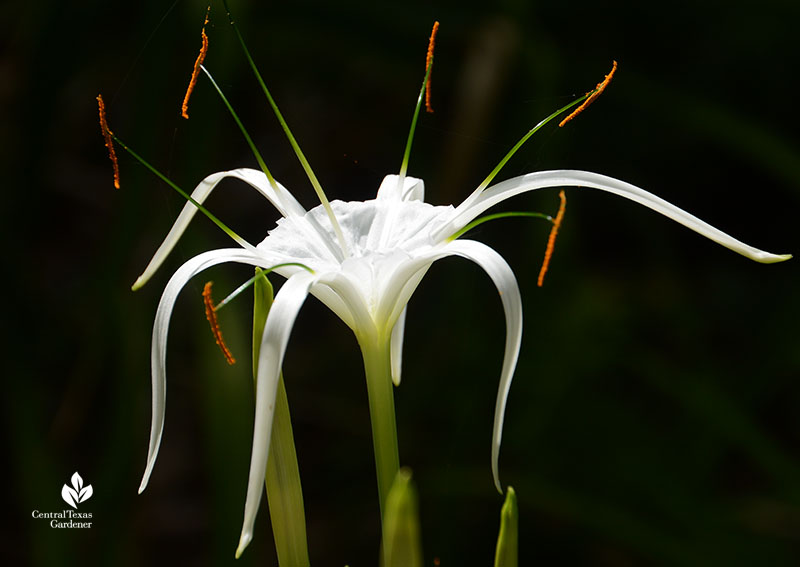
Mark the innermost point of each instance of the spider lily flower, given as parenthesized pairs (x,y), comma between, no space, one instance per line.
(391,241)
(364,260)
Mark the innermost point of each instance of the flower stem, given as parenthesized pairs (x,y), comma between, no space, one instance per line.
(378,367)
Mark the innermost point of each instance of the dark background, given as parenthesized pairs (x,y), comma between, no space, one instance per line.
(654,415)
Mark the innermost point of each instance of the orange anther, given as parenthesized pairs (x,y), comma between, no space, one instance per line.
(196,69)
(593,94)
(107,133)
(211,315)
(428,63)
(551,241)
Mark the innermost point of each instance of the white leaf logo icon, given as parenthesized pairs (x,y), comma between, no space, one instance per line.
(77,493)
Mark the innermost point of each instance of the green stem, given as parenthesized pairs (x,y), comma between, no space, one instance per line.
(378,367)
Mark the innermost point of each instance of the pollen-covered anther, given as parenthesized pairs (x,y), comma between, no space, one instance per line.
(107,133)
(551,241)
(428,63)
(196,69)
(211,315)
(593,94)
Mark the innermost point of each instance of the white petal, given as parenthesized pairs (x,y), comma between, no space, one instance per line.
(335,303)
(283,200)
(398,289)
(349,296)
(390,192)
(502,276)
(279,325)
(413,189)
(473,207)
(402,283)
(396,350)
(158,354)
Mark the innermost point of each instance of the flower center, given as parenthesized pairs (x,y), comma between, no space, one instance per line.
(372,229)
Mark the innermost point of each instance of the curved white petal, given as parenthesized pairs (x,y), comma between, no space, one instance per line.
(279,325)
(502,276)
(473,207)
(404,281)
(402,285)
(396,349)
(283,200)
(390,193)
(349,297)
(160,330)
(413,189)
(335,303)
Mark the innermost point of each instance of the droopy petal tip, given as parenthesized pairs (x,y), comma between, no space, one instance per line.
(244,541)
(146,477)
(497,485)
(767,258)
(139,283)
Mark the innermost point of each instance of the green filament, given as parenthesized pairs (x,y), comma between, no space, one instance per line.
(246,135)
(295,146)
(236,238)
(524,139)
(261,273)
(407,152)
(487,218)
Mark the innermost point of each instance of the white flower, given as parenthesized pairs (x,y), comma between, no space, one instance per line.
(366,272)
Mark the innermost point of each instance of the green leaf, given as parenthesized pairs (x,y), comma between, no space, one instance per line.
(284,491)
(402,544)
(508,539)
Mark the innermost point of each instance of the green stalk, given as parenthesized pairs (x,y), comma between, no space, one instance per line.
(284,491)
(378,367)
